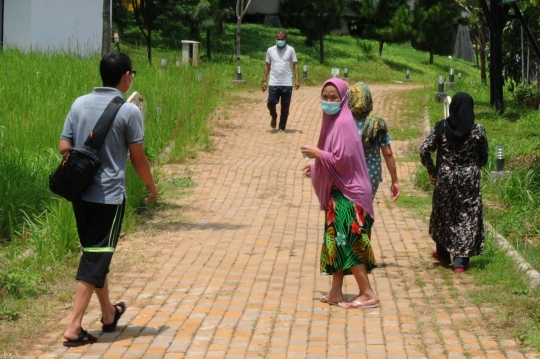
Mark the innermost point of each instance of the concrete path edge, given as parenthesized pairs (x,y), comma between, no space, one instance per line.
(523,266)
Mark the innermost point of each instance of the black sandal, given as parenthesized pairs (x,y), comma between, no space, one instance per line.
(83,339)
(107,328)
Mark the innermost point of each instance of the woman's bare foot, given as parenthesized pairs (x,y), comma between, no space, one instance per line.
(332,299)
(362,301)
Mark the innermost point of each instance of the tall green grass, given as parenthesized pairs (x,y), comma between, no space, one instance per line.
(37,229)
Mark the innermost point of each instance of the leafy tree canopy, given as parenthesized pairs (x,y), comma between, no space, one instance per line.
(314,19)
(433,28)
(385,21)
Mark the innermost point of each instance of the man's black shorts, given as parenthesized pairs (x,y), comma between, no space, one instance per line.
(99,227)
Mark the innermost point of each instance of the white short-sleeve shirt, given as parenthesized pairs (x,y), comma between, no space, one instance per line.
(280,65)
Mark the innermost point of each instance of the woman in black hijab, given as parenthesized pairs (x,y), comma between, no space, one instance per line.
(457,221)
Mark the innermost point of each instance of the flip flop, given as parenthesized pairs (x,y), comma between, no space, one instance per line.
(107,328)
(357,305)
(83,339)
(324,299)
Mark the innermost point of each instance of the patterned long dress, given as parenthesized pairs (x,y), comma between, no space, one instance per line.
(457,219)
(373,157)
(347,234)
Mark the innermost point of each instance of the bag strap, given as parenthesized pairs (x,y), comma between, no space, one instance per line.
(100,130)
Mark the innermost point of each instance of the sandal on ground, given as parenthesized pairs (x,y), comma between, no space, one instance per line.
(358,305)
(459,270)
(83,339)
(107,328)
(445,262)
(324,299)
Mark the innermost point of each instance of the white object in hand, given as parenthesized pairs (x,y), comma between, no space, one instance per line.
(305,154)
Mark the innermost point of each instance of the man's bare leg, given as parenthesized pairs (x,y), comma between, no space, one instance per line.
(83,294)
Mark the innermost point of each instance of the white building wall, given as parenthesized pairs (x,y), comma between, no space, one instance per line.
(54,25)
(17,19)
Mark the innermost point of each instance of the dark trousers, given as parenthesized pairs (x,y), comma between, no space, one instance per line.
(459,262)
(98,226)
(274,94)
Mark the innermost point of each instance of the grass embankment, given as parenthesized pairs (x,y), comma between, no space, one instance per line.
(40,246)
(38,239)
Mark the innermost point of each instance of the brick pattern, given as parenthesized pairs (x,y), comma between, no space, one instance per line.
(240,278)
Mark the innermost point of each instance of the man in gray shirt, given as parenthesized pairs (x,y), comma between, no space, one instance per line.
(279,59)
(100,211)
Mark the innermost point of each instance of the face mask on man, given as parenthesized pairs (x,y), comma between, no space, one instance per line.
(280,43)
(130,83)
(331,108)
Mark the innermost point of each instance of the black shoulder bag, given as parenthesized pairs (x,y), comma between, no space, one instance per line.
(80,163)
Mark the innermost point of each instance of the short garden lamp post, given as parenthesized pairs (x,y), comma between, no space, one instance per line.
(440,95)
(408,75)
(304,75)
(239,73)
(346,74)
(335,72)
(499,154)
(116,41)
(238,79)
(451,84)
(441,83)
(177,63)
(198,75)
(163,63)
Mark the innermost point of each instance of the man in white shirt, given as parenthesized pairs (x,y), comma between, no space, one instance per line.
(278,64)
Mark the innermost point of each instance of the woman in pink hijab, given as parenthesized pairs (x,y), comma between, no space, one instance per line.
(341,182)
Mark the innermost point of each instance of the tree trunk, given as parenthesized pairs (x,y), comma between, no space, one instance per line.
(431,53)
(208,44)
(482,41)
(321,38)
(240,11)
(238,37)
(476,46)
(381,44)
(150,21)
(106,33)
(149,45)
(194,32)
(538,77)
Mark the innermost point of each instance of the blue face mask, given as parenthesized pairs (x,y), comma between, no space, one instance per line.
(330,108)
(280,43)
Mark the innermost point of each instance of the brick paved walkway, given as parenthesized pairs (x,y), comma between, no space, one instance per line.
(239,277)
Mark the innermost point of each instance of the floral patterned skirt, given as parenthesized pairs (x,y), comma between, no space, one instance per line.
(347,234)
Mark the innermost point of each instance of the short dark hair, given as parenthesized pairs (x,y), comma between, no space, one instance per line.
(112,67)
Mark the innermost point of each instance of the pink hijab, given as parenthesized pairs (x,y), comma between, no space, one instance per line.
(342,158)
